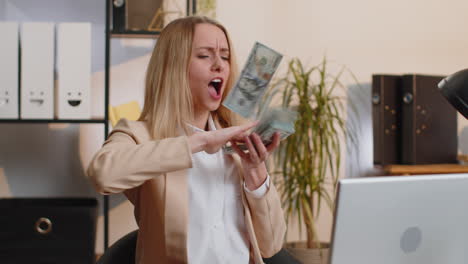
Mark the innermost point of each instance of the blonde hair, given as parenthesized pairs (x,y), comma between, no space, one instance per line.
(168,100)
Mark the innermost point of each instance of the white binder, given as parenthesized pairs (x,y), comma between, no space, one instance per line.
(37,70)
(9,71)
(74,71)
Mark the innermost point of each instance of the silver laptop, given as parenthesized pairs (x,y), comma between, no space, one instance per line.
(401,220)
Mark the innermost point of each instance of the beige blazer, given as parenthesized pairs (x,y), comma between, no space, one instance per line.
(153,176)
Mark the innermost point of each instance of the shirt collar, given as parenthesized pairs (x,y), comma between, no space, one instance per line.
(211,125)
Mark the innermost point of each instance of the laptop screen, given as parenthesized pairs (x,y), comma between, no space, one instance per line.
(410,219)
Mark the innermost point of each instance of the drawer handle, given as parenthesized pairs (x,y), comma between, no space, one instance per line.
(43,226)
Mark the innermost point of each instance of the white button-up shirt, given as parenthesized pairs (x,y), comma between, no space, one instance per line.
(217,232)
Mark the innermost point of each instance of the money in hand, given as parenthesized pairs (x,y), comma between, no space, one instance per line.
(275,120)
(253,81)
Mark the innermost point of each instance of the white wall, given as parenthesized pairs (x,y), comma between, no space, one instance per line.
(426,36)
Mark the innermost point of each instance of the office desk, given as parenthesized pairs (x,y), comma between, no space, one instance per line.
(424,169)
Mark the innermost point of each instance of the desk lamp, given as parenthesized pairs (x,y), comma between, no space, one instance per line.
(455,90)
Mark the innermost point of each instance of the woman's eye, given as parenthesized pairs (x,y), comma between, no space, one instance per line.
(226,58)
(203,56)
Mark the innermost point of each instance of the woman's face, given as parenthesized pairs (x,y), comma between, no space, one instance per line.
(208,67)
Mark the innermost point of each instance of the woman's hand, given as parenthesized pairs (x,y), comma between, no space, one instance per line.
(253,161)
(212,141)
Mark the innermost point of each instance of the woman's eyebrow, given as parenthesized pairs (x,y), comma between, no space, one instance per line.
(212,49)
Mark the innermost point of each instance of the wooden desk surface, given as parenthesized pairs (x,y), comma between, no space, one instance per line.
(424,169)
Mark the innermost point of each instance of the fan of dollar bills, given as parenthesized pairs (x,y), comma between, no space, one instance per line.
(246,96)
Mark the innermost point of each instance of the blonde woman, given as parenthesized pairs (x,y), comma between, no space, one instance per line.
(193,203)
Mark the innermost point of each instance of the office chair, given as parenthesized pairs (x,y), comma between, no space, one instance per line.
(123,252)
(282,257)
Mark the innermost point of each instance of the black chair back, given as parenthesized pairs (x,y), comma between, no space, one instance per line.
(122,251)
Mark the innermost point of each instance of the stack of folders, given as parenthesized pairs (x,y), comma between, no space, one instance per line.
(33,86)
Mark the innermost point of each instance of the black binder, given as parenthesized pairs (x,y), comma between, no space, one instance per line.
(137,15)
(429,122)
(386,118)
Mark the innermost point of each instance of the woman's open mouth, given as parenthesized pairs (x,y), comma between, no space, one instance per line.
(215,88)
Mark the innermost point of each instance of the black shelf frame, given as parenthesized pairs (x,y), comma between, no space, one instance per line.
(135,34)
(106,112)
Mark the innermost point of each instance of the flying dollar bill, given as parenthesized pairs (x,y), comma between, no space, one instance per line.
(253,81)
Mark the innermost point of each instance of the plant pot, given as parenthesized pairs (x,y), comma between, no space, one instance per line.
(306,255)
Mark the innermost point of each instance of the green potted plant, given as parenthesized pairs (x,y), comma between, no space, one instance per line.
(309,160)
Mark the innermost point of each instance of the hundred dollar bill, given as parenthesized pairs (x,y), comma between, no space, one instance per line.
(253,81)
(275,120)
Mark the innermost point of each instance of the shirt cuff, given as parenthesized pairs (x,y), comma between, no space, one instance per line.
(260,191)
